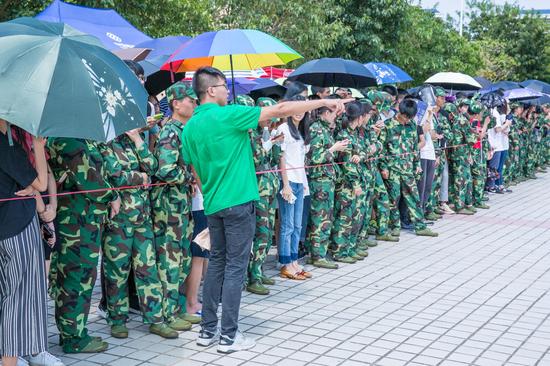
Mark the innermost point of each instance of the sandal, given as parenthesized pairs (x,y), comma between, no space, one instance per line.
(292,276)
(305,274)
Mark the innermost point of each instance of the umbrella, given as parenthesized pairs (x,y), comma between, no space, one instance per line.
(271,72)
(134,54)
(485,83)
(334,72)
(387,73)
(453,81)
(234,49)
(506,85)
(544,99)
(536,85)
(240,86)
(163,46)
(110,27)
(158,80)
(59,82)
(267,88)
(521,93)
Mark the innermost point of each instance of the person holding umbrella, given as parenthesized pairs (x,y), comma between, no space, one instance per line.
(216,142)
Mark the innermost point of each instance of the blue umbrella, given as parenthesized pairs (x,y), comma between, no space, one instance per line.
(485,83)
(158,80)
(266,88)
(110,27)
(536,85)
(327,72)
(163,46)
(521,93)
(387,73)
(240,86)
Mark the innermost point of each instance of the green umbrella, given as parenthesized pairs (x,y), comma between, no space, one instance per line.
(56,81)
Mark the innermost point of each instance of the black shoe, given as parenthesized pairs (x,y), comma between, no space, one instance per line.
(407,226)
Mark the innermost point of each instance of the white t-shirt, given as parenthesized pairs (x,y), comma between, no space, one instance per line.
(498,140)
(197,203)
(295,156)
(428,151)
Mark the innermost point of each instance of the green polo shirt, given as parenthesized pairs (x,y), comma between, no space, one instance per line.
(216,142)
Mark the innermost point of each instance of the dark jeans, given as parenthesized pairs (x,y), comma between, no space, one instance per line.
(503,157)
(493,165)
(426,182)
(231,234)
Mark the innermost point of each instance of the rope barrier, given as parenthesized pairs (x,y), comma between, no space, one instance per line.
(257,173)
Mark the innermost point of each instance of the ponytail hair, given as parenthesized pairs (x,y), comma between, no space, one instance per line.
(354,110)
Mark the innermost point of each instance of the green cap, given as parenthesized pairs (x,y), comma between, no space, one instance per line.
(440,92)
(515,105)
(547,105)
(463,101)
(381,99)
(450,108)
(474,108)
(265,102)
(178,91)
(244,100)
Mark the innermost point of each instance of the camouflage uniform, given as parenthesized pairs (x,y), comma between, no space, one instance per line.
(511,173)
(81,218)
(266,206)
(479,160)
(321,186)
(460,173)
(171,203)
(402,162)
(343,244)
(444,128)
(128,240)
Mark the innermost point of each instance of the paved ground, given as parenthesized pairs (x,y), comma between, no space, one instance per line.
(478,295)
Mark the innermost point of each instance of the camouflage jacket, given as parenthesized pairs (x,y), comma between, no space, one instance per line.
(172,170)
(80,166)
(126,163)
(321,141)
(401,152)
(442,127)
(350,176)
(462,134)
(268,183)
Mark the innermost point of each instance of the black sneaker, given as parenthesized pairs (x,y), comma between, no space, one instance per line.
(207,338)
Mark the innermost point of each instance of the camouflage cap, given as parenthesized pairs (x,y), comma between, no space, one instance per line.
(244,100)
(515,105)
(474,108)
(365,101)
(450,108)
(381,99)
(463,101)
(265,102)
(546,105)
(179,91)
(440,92)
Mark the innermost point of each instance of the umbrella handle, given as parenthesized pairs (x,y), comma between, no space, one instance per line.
(171,73)
(232,79)
(10,138)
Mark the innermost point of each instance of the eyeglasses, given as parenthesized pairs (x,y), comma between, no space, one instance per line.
(224,85)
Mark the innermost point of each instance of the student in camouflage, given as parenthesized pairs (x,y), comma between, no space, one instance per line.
(128,240)
(400,166)
(171,203)
(79,166)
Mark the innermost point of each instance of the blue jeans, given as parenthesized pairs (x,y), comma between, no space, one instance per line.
(494,163)
(503,157)
(290,216)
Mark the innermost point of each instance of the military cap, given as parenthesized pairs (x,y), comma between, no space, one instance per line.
(463,101)
(440,92)
(244,100)
(474,108)
(450,108)
(265,102)
(179,91)
(515,105)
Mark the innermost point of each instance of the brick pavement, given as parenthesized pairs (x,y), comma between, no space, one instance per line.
(477,295)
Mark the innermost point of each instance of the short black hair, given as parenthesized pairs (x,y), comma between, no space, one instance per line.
(408,108)
(136,68)
(390,89)
(317,89)
(204,78)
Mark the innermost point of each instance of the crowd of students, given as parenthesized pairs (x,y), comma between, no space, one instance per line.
(331,176)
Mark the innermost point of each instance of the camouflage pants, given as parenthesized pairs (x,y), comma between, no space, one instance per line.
(512,164)
(76,267)
(321,215)
(126,245)
(461,187)
(173,232)
(381,205)
(342,244)
(479,176)
(404,185)
(359,231)
(265,227)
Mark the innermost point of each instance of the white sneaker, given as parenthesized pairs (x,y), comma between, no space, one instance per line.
(446,209)
(239,343)
(45,359)
(21,362)
(207,338)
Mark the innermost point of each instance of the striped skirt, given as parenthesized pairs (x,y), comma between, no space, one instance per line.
(23,307)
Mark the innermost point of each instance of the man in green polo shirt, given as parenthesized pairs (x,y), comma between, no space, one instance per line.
(216,142)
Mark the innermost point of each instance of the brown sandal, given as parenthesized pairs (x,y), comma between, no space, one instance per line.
(305,274)
(292,276)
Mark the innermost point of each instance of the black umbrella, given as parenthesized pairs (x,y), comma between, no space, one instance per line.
(506,85)
(485,83)
(267,88)
(326,72)
(545,99)
(536,85)
(158,80)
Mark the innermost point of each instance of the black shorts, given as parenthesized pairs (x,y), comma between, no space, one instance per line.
(201,223)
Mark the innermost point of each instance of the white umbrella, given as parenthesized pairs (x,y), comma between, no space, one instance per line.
(453,80)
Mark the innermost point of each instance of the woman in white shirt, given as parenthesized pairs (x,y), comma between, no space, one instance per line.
(427,160)
(291,197)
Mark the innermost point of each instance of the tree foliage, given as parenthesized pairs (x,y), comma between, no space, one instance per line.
(500,42)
